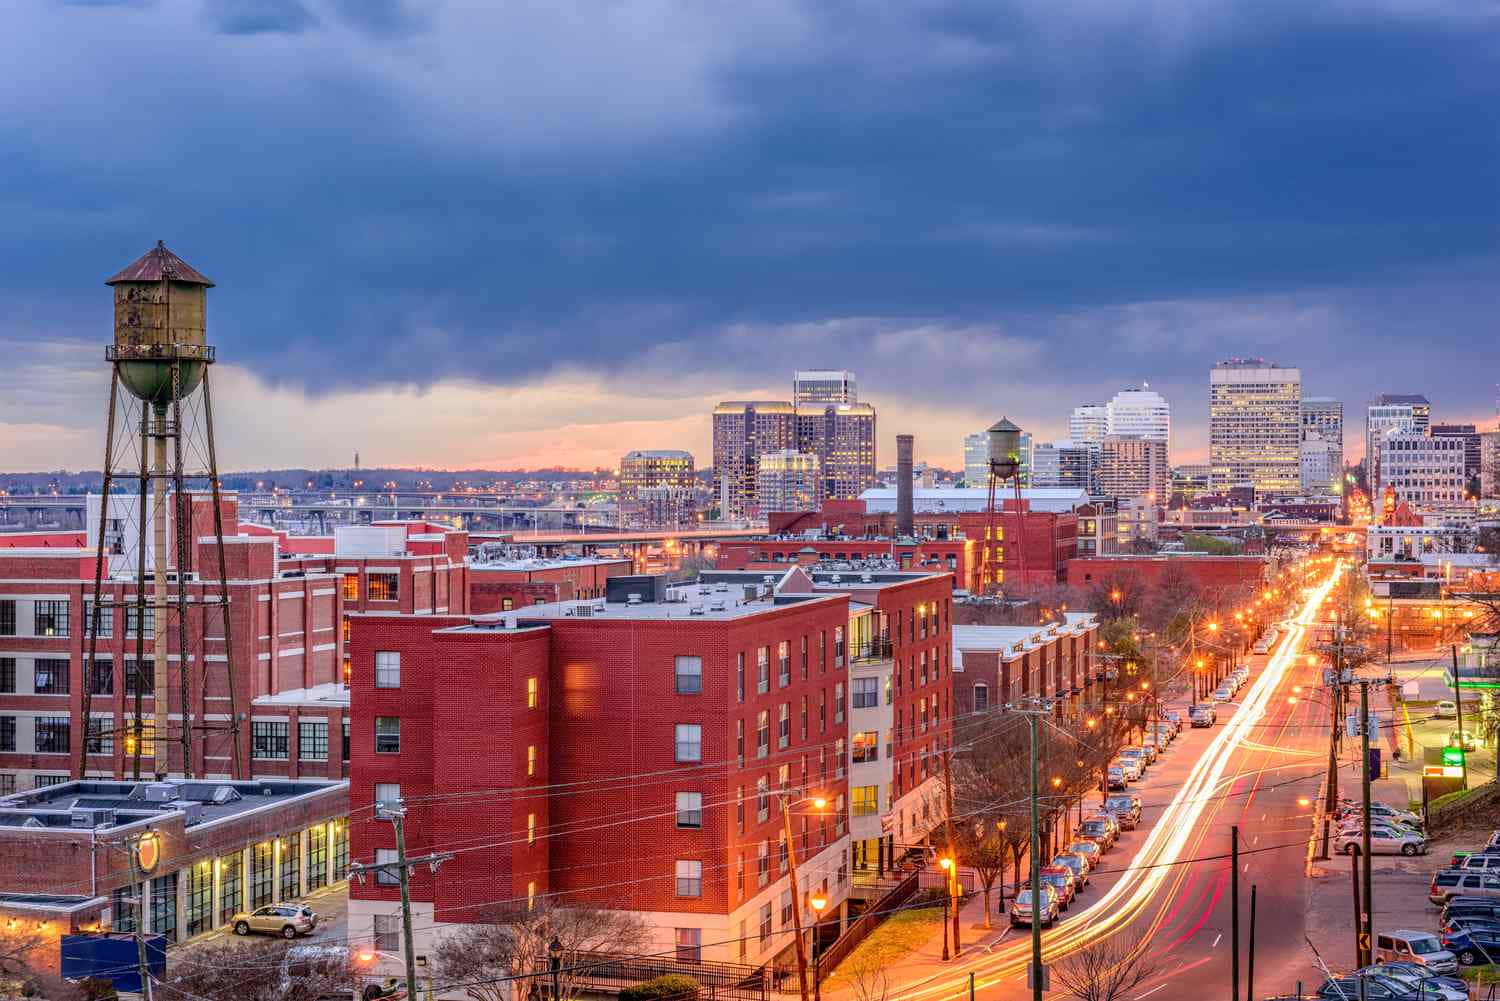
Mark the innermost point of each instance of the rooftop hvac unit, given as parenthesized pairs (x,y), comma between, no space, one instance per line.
(696,610)
(159,792)
(633,598)
(717,606)
(751,592)
(225,794)
(722,589)
(838,578)
(86,817)
(865,578)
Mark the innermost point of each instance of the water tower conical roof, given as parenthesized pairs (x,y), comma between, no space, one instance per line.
(158,263)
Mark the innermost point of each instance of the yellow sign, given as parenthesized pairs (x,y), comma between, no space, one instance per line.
(147,852)
(1364,940)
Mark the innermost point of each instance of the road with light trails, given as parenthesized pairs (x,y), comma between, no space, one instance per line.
(1174,892)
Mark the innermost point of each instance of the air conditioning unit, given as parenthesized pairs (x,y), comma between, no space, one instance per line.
(87,817)
(696,610)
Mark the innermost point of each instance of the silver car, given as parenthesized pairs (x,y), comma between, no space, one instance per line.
(286,920)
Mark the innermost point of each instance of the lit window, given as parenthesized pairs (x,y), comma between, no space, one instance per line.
(531,693)
(351,587)
(530,759)
(383,586)
(530,828)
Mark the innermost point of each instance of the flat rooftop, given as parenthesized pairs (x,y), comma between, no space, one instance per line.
(543,562)
(92,804)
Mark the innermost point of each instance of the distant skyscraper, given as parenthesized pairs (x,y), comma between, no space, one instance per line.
(1324,416)
(976,459)
(656,487)
(1469,434)
(1064,464)
(841,435)
(1255,426)
(1088,425)
(1142,413)
(816,387)
(1391,412)
(1489,464)
(1422,469)
(788,481)
(1321,465)
(1131,467)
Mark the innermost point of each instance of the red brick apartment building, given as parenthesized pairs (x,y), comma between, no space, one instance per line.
(996,665)
(506,577)
(630,751)
(1209,572)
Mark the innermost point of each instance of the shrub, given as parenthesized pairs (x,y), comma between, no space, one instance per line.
(673,986)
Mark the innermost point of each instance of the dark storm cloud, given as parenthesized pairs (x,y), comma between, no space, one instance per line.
(944,196)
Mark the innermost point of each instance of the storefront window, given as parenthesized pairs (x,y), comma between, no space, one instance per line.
(230,882)
(317,857)
(164,906)
(200,897)
(262,874)
(291,866)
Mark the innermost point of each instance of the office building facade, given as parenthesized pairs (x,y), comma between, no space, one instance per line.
(1422,470)
(1255,426)
(1391,412)
(821,387)
(1134,467)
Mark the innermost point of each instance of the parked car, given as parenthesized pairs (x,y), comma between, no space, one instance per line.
(1077,864)
(1448,981)
(1494,842)
(1480,863)
(1375,988)
(1471,908)
(1061,879)
(1131,767)
(1383,841)
(1202,716)
(1114,778)
(1173,717)
(1126,809)
(1414,947)
(1021,908)
(286,920)
(1467,739)
(1150,750)
(1223,694)
(1422,983)
(1101,828)
(1446,709)
(1473,948)
(1458,922)
(1349,808)
(1108,818)
(1138,755)
(1088,849)
(1447,883)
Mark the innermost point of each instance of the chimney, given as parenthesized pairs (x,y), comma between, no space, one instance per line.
(904,520)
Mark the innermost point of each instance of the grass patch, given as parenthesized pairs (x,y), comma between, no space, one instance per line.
(901,933)
(1480,974)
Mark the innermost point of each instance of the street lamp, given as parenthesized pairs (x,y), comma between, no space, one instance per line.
(818,902)
(949,875)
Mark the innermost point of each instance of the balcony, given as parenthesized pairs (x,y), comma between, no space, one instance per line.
(874,651)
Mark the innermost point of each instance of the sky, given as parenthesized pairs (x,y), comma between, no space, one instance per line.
(457,234)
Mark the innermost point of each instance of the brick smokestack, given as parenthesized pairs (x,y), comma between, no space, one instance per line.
(904,519)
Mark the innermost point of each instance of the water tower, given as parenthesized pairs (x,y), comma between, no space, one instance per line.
(1005,465)
(160,358)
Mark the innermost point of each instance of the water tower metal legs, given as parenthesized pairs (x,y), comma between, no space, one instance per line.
(235,760)
(95,611)
(161,701)
(181,516)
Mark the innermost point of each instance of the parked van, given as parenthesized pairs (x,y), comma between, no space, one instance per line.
(1419,947)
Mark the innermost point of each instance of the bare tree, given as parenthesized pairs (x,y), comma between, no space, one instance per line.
(266,970)
(989,797)
(505,955)
(19,950)
(1105,970)
(868,980)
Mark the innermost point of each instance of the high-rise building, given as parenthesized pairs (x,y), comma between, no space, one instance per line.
(1391,412)
(744,430)
(1131,466)
(788,481)
(1064,464)
(1141,413)
(1088,425)
(817,387)
(976,459)
(1255,426)
(1324,416)
(1321,467)
(1469,435)
(1420,468)
(664,477)
(1489,464)
(841,435)
(1191,479)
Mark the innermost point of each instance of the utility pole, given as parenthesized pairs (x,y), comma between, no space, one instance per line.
(791,856)
(1234,911)
(137,883)
(1367,920)
(1037,975)
(396,814)
(1458,700)
(1250,972)
(952,844)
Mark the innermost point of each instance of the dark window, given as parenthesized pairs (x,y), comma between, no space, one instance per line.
(312,740)
(164,906)
(8,617)
(340,851)
(346,740)
(291,866)
(690,810)
(268,739)
(124,905)
(739,676)
(8,675)
(134,615)
(100,736)
(229,886)
(866,693)
(140,674)
(383,586)
(262,874)
(53,734)
(7,733)
(51,675)
(200,897)
(51,619)
(102,678)
(106,618)
(387,735)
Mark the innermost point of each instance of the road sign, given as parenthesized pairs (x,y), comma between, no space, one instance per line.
(1453,757)
(1364,940)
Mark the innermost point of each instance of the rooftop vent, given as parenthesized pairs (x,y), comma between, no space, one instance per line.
(225,794)
(633,599)
(717,606)
(696,610)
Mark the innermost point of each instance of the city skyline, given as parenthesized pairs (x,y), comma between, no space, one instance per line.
(489,281)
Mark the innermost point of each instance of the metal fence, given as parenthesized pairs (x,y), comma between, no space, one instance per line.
(735,981)
(867,923)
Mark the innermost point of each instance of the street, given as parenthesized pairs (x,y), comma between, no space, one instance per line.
(1169,882)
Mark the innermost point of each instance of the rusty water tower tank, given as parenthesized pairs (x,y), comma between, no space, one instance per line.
(160,307)
(1005,448)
